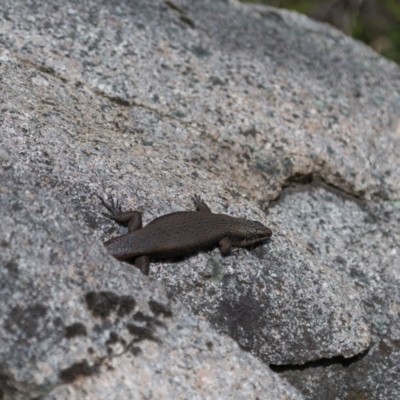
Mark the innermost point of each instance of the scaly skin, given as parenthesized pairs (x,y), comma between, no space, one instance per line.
(181,233)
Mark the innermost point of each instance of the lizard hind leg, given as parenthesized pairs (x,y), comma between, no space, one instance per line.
(200,204)
(133,218)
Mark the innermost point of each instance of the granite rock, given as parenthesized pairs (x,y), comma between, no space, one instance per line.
(152,102)
(78,324)
(360,239)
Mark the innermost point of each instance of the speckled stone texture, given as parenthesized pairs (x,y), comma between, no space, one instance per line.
(152,102)
(77,324)
(362,240)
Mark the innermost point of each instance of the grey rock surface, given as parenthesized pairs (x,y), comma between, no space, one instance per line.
(281,303)
(270,91)
(313,308)
(78,324)
(362,240)
(152,102)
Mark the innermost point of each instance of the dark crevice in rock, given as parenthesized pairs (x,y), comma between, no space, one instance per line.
(323,362)
(298,178)
(180,13)
(173,6)
(42,68)
(302,182)
(307,182)
(114,99)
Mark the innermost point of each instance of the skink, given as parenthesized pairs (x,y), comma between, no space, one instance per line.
(179,233)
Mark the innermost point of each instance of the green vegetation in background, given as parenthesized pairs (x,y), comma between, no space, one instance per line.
(375,22)
(304,7)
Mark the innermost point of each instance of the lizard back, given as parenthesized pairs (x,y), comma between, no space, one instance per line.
(185,232)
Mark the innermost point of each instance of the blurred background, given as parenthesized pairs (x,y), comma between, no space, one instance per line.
(375,22)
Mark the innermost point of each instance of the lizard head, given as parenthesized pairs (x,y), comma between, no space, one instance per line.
(254,232)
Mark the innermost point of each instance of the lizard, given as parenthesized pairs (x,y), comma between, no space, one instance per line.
(179,233)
